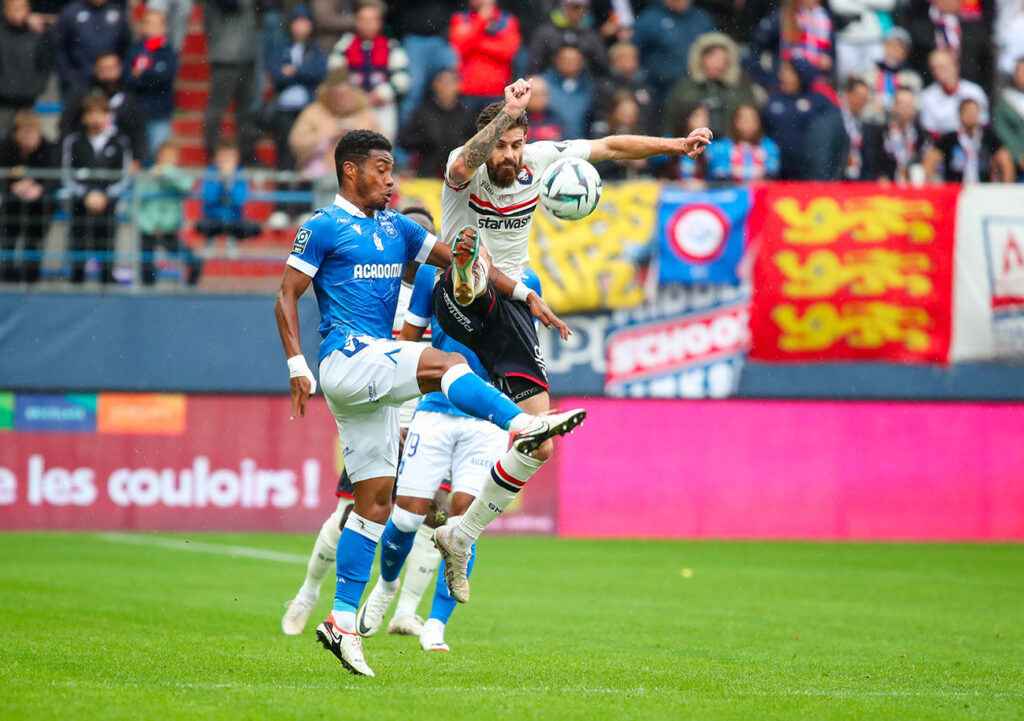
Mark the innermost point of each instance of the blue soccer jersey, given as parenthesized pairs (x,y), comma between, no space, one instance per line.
(421,314)
(356,264)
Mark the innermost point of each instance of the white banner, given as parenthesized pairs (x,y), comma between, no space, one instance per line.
(988,284)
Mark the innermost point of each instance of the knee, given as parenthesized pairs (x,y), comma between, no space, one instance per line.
(545,451)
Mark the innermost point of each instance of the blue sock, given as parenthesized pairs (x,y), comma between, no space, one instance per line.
(355,559)
(444,603)
(394,549)
(473,395)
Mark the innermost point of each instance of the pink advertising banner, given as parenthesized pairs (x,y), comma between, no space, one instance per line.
(782,469)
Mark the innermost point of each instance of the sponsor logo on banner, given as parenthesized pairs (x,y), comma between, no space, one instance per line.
(847,272)
(149,413)
(6,411)
(1004,253)
(66,413)
(702,235)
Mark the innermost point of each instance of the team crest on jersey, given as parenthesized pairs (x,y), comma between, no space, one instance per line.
(389,228)
(505,199)
(525,177)
(301,238)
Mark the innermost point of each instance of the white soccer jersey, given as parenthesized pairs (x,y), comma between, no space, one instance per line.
(503,215)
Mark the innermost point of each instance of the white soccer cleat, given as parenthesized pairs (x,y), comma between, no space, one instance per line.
(297,615)
(432,636)
(456,563)
(545,426)
(347,646)
(371,613)
(406,625)
(470,270)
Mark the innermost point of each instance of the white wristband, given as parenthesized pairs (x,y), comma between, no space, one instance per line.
(521,292)
(297,368)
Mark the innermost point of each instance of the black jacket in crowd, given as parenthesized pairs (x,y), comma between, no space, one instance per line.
(432,132)
(129,118)
(78,158)
(46,156)
(24,65)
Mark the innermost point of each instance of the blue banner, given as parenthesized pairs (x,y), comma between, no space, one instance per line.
(70,412)
(701,234)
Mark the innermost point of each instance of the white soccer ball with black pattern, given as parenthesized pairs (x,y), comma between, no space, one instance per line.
(570,188)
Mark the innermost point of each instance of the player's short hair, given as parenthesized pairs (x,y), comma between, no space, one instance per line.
(95,101)
(491,111)
(420,210)
(356,146)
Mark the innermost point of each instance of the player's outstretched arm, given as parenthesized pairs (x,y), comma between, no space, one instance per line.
(479,148)
(638,147)
(286,310)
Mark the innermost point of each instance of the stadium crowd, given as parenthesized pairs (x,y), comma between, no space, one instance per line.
(881,90)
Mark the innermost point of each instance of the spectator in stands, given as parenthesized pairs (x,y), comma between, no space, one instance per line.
(26,201)
(1008,117)
(297,67)
(96,163)
(128,117)
(152,64)
(232,44)
(664,33)
(859,34)
(960,27)
(569,24)
(745,155)
(331,20)
(84,30)
(544,123)
(862,130)
(375,63)
(1011,42)
(798,30)
(177,14)
(940,101)
(423,26)
(806,126)
(715,80)
(572,90)
(225,192)
(625,74)
(970,154)
(339,108)
(623,118)
(162,191)
(892,73)
(902,144)
(486,40)
(440,124)
(24,62)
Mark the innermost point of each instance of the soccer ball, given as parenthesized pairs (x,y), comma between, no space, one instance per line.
(570,189)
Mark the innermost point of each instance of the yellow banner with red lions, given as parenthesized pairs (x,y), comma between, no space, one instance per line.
(850,271)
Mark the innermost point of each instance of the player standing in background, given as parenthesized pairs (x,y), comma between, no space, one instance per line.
(354,252)
(441,440)
(492,186)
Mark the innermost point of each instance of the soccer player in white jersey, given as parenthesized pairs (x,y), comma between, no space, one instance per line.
(354,253)
(492,186)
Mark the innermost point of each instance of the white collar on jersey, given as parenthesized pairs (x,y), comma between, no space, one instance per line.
(349,208)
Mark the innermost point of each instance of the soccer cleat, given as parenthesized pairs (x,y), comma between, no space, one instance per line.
(406,625)
(295,618)
(371,614)
(547,425)
(432,636)
(347,646)
(456,563)
(469,266)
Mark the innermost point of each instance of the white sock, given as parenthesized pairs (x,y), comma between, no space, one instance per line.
(434,624)
(507,478)
(421,572)
(323,557)
(345,620)
(520,422)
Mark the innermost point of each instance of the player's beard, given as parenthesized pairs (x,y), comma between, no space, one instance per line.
(502,175)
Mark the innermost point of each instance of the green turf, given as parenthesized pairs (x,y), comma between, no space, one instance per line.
(93,628)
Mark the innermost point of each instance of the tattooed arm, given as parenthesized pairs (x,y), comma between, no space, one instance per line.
(476,152)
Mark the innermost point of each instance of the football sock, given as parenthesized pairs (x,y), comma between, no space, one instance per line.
(399,534)
(422,566)
(356,549)
(444,603)
(323,557)
(473,395)
(508,476)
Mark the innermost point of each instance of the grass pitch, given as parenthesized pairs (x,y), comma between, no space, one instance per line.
(100,627)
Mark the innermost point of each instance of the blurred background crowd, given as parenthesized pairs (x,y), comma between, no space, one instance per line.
(226,103)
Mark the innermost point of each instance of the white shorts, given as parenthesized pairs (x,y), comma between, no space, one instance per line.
(364,383)
(438,443)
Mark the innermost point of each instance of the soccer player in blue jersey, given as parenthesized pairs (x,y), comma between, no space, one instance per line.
(354,253)
(441,440)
